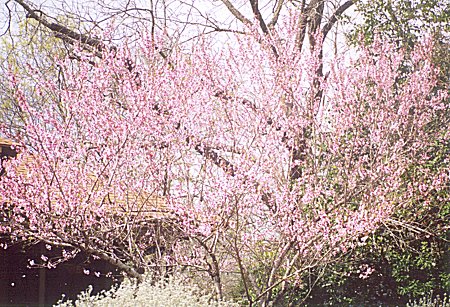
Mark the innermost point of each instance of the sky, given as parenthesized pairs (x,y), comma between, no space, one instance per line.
(183,19)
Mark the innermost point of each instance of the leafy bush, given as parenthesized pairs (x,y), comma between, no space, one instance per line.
(169,292)
(429,301)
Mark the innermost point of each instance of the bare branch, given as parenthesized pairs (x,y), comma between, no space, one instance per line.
(116,262)
(276,14)
(335,17)
(315,12)
(9,19)
(65,33)
(211,155)
(236,13)
(302,22)
(262,23)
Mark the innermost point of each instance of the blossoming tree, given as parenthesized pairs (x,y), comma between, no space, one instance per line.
(247,161)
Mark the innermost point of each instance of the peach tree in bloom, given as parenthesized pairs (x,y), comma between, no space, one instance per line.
(247,162)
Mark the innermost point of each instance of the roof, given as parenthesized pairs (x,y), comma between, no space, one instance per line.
(147,206)
(6,142)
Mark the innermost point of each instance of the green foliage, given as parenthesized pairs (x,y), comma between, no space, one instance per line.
(407,265)
(414,272)
(411,254)
(402,21)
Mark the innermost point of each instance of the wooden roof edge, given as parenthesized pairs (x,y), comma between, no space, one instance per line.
(7,142)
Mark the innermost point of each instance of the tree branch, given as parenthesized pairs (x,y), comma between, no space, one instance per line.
(262,23)
(302,22)
(276,14)
(236,13)
(65,33)
(335,17)
(315,12)
(211,155)
(115,262)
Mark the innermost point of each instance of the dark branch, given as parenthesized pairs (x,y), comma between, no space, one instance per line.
(302,22)
(129,270)
(66,34)
(211,155)
(276,14)
(315,14)
(262,23)
(223,95)
(236,13)
(335,17)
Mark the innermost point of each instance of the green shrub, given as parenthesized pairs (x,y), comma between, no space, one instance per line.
(169,292)
(429,301)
